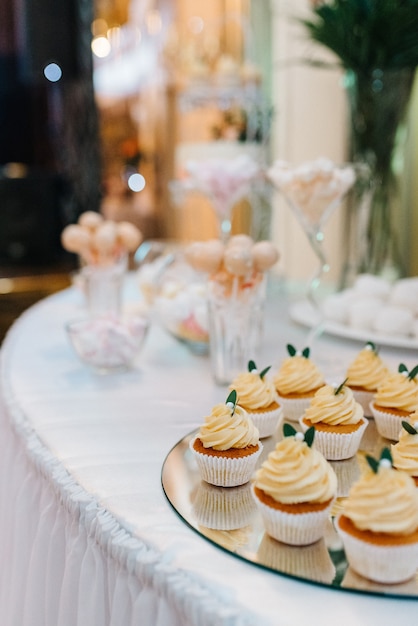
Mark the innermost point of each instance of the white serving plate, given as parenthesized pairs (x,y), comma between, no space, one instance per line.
(303,313)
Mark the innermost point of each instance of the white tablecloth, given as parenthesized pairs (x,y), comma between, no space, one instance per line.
(87,537)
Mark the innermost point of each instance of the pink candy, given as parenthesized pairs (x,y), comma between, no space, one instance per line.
(108,342)
(225,180)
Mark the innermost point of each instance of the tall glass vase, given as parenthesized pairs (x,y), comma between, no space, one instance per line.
(378,104)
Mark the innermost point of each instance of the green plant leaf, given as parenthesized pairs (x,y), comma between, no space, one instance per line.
(372,345)
(232,398)
(385,454)
(288,430)
(310,435)
(373,463)
(251,366)
(402,368)
(409,428)
(291,349)
(353,29)
(413,373)
(264,372)
(340,387)
(306,353)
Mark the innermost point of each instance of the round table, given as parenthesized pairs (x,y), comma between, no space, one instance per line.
(87,536)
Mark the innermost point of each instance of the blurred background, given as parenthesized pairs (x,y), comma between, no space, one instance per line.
(103,102)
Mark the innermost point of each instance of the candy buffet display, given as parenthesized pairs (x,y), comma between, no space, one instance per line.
(236,295)
(224,181)
(107,340)
(103,247)
(313,190)
(179,282)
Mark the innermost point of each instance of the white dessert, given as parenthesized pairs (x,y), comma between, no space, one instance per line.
(362,312)
(375,304)
(404,293)
(370,285)
(394,320)
(336,306)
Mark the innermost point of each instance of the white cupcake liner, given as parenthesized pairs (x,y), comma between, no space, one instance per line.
(383,564)
(293,408)
(222,508)
(337,446)
(226,471)
(267,422)
(364,398)
(299,529)
(388,425)
(313,561)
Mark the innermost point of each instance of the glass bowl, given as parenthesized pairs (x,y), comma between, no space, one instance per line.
(109,343)
(177,295)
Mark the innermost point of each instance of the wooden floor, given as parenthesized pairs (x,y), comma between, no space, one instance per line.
(18,292)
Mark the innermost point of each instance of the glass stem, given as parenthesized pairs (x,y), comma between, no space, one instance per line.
(316,239)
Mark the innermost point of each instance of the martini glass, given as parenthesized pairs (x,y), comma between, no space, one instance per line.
(313,191)
(224,181)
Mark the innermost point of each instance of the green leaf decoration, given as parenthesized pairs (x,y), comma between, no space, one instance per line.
(264,372)
(373,347)
(309,436)
(402,368)
(232,398)
(289,431)
(413,373)
(306,353)
(340,387)
(385,454)
(373,463)
(409,428)
(251,366)
(291,349)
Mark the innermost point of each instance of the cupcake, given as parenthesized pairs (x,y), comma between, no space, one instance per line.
(296,382)
(365,374)
(227,446)
(294,489)
(379,523)
(338,420)
(396,399)
(405,452)
(257,395)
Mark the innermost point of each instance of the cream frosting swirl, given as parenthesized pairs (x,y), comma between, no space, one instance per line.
(333,409)
(224,429)
(294,473)
(253,391)
(398,391)
(385,502)
(367,370)
(405,451)
(298,374)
